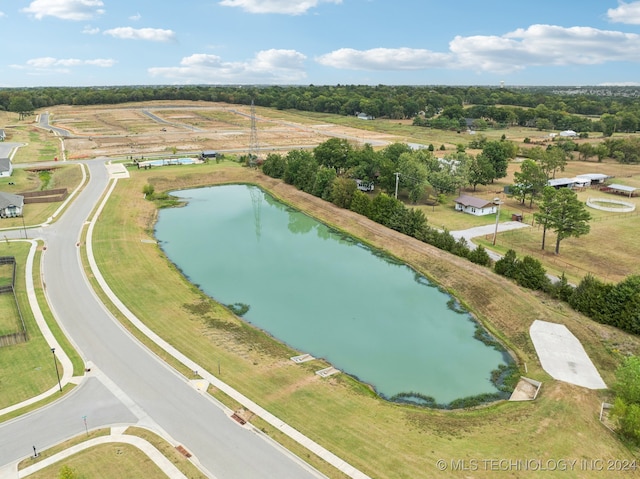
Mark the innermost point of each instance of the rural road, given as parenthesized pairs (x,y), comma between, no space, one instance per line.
(141,388)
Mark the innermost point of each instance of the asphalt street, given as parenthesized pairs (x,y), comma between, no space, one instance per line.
(145,390)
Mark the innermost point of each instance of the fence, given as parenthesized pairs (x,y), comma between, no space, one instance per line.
(20,336)
(13,339)
(46,196)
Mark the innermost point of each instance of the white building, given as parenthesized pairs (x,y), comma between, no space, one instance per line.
(475,206)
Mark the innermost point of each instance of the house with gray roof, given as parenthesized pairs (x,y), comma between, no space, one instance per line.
(10,205)
(6,168)
(475,206)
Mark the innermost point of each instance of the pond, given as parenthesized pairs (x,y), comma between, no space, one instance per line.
(326,294)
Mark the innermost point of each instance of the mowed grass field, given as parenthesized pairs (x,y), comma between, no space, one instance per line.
(26,369)
(383,439)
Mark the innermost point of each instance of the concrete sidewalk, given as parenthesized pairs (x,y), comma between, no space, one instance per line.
(116,436)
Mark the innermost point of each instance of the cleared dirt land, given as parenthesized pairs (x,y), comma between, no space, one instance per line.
(161,128)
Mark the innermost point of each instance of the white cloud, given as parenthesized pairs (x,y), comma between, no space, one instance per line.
(267,67)
(383,59)
(538,45)
(65,9)
(544,45)
(61,65)
(623,83)
(135,17)
(288,7)
(150,34)
(2,14)
(625,13)
(89,30)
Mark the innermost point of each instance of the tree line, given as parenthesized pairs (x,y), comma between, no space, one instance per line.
(607,110)
(330,172)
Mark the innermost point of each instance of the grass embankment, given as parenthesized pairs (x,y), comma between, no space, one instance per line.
(380,438)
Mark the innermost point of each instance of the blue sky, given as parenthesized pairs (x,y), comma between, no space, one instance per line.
(321,42)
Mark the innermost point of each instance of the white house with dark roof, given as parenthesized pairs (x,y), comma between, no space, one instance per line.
(475,206)
(10,205)
(6,168)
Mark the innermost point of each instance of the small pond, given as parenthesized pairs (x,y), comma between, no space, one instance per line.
(327,294)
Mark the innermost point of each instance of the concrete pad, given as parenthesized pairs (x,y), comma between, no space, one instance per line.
(117,170)
(562,355)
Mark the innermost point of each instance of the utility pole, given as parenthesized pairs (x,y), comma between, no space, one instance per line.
(397,180)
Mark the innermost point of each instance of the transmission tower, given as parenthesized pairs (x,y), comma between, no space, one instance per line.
(253,139)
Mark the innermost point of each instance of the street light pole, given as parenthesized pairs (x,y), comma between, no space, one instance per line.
(496,201)
(53,351)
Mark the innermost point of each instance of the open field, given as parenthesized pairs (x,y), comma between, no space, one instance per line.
(381,438)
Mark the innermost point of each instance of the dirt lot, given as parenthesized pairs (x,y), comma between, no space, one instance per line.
(175,128)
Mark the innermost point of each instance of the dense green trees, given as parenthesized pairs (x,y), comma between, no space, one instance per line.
(626,408)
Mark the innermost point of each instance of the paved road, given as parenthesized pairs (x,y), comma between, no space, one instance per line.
(43,122)
(61,419)
(155,394)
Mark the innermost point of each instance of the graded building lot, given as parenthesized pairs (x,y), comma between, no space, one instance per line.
(380,438)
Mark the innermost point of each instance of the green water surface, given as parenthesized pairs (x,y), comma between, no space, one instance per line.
(326,294)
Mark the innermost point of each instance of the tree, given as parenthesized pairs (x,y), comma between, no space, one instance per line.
(627,404)
(413,176)
(323,182)
(274,165)
(529,181)
(543,215)
(333,153)
(568,216)
(22,106)
(498,154)
(301,170)
(554,158)
(342,192)
(480,171)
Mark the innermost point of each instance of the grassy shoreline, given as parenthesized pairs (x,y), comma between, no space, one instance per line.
(383,439)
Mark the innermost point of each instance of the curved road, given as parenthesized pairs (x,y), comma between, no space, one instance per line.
(128,384)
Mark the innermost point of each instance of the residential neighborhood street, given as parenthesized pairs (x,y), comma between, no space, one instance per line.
(140,389)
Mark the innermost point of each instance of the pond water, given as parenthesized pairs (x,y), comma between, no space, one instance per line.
(326,294)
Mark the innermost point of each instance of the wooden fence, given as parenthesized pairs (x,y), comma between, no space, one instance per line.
(13,338)
(45,196)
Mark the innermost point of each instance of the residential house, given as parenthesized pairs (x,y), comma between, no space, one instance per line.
(6,168)
(475,206)
(10,205)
